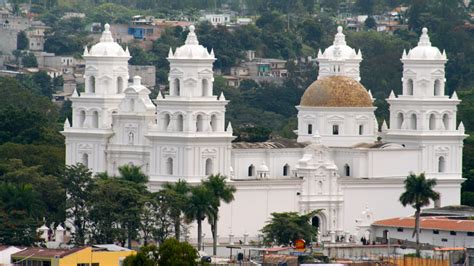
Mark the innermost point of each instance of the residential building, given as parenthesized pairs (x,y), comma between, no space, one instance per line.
(6,253)
(99,255)
(147,73)
(437,231)
(218,19)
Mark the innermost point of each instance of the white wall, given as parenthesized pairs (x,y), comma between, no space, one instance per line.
(275,159)
(382,198)
(5,255)
(253,204)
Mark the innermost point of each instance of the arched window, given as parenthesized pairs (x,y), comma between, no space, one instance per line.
(347,170)
(209,167)
(205,88)
(95,119)
(437,88)
(446,121)
(361,130)
(82,118)
(180,123)
(119,85)
(413,121)
(432,122)
(441,164)
(410,87)
(166,121)
(320,187)
(310,129)
(251,170)
(286,170)
(85,159)
(214,122)
(177,89)
(92,84)
(335,129)
(169,166)
(400,119)
(199,123)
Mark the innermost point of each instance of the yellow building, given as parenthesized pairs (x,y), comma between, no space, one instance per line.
(101,255)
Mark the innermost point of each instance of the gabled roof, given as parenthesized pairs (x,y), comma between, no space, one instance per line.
(46,252)
(436,223)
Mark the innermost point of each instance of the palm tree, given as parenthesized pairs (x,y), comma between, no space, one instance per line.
(418,193)
(201,204)
(133,173)
(221,191)
(175,196)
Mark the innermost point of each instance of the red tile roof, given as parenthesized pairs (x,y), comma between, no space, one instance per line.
(433,222)
(45,252)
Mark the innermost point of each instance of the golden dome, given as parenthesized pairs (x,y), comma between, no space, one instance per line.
(336,91)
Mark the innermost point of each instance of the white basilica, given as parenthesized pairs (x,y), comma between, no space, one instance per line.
(340,162)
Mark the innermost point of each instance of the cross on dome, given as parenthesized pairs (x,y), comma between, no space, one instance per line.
(424,38)
(340,38)
(106,34)
(192,38)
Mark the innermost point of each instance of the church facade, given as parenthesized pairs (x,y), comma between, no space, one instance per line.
(340,162)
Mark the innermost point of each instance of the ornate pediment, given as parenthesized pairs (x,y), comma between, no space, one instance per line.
(176,72)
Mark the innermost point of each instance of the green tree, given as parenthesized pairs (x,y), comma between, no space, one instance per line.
(155,220)
(79,185)
(133,174)
(221,191)
(49,189)
(148,255)
(418,193)
(370,23)
(115,210)
(286,227)
(175,196)
(22,41)
(173,252)
(19,216)
(44,82)
(200,205)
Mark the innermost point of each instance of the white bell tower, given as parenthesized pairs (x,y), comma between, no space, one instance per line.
(339,59)
(423,117)
(106,76)
(190,140)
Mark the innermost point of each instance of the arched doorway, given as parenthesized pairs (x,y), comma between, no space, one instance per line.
(315,222)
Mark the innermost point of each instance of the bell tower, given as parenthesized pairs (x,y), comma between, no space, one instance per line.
(423,117)
(189,139)
(106,76)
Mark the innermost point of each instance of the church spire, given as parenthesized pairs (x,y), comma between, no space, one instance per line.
(424,38)
(106,34)
(340,38)
(192,38)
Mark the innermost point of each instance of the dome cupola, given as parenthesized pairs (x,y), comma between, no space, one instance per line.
(339,59)
(107,47)
(191,49)
(336,91)
(424,50)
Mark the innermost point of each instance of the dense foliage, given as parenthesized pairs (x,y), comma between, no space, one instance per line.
(286,227)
